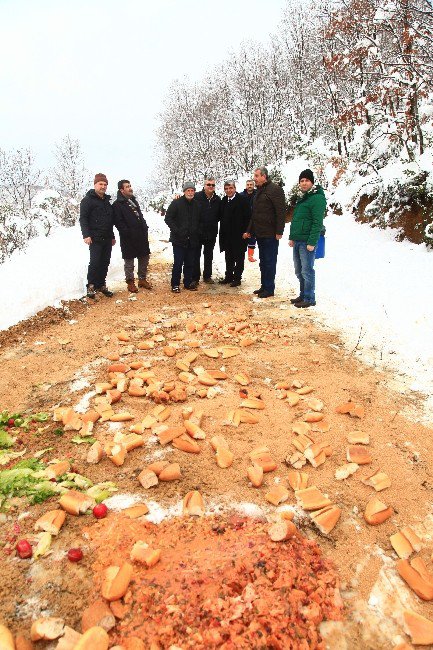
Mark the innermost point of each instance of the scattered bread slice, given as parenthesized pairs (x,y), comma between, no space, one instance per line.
(51,522)
(116,581)
(193,504)
(282,530)
(148,478)
(170,473)
(76,503)
(277,494)
(224,457)
(135,512)
(297,480)
(6,638)
(377,512)
(345,471)
(419,629)
(98,613)
(187,444)
(255,475)
(47,628)
(312,499)
(95,638)
(326,519)
(378,480)
(416,582)
(358,454)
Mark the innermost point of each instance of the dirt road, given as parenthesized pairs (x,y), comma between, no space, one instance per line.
(56,358)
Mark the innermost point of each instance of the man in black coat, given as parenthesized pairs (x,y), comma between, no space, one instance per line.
(133,232)
(183,219)
(267,225)
(235,217)
(96,221)
(210,204)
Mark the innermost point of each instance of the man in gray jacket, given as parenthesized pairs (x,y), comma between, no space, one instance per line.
(267,225)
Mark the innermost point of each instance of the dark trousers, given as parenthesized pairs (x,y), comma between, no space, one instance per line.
(268,251)
(143,263)
(100,255)
(183,258)
(235,262)
(207,248)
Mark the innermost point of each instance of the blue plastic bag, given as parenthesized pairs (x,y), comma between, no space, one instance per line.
(320,248)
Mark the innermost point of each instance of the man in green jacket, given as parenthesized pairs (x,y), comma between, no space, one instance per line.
(305,229)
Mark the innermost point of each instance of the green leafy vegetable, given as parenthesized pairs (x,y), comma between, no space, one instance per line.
(7,456)
(6,441)
(102,491)
(78,440)
(41,417)
(30,463)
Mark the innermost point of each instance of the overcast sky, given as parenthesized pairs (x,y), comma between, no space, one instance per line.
(99,71)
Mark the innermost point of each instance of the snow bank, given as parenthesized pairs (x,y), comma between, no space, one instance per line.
(371,288)
(54,268)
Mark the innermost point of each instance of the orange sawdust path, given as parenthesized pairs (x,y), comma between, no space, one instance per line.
(221,582)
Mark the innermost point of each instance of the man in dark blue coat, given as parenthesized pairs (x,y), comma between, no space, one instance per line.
(235,217)
(96,221)
(133,232)
(183,219)
(210,204)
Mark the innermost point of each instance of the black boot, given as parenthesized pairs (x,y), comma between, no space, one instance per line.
(91,292)
(104,289)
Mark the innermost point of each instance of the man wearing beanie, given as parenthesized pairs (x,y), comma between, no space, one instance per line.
(134,240)
(183,219)
(305,229)
(96,221)
(267,225)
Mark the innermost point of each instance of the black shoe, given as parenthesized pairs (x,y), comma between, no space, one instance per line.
(175,289)
(104,289)
(257,291)
(295,300)
(208,281)
(225,281)
(304,304)
(91,292)
(265,294)
(191,287)
(235,283)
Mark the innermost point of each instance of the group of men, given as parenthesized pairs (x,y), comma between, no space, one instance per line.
(196,220)
(97,220)
(256,214)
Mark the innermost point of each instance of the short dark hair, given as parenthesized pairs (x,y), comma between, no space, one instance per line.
(120,184)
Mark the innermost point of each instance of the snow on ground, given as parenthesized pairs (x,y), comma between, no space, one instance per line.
(370,288)
(52,269)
